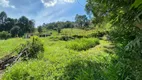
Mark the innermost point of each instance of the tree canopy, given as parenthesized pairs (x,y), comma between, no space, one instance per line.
(121,13)
(126,31)
(23,24)
(81,21)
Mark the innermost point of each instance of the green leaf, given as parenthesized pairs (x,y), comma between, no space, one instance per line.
(136,4)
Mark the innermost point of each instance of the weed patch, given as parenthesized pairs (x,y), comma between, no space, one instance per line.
(83,44)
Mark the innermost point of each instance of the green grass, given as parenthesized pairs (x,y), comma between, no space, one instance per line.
(61,61)
(7,46)
(72,32)
(83,44)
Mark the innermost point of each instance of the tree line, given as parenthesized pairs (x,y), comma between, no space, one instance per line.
(15,27)
(81,21)
(10,27)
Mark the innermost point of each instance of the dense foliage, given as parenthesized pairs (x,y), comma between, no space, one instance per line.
(16,26)
(15,31)
(32,48)
(39,29)
(63,63)
(126,19)
(81,21)
(4,35)
(77,54)
(59,25)
(120,13)
(83,44)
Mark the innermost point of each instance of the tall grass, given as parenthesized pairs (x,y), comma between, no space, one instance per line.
(70,32)
(78,59)
(62,63)
(82,44)
(8,46)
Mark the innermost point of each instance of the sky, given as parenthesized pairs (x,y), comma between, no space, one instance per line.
(43,11)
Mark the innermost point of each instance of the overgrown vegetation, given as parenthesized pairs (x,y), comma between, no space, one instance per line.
(32,48)
(60,62)
(125,17)
(110,50)
(81,22)
(83,44)
(17,27)
(4,35)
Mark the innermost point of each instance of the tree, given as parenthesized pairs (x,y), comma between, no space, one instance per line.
(23,23)
(3,17)
(61,25)
(39,29)
(31,25)
(81,20)
(4,35)
(9,23)
(120,13)
(26,25)
(126,19)
(69,24)
(15,31)
(97,10)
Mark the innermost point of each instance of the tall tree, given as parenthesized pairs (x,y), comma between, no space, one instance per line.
(9,23)
(15,31)
(26,25)
(31,25)
(120,13)
(39,29)
(3,17)
(81,20)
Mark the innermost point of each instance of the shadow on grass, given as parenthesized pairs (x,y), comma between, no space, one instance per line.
(84,70)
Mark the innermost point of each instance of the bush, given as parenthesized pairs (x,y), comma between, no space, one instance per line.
(30,70)
(4,35)
(34,47)
(99,33)
(15,31)
(83,44)
(71,37)
(66,38)
(84,70)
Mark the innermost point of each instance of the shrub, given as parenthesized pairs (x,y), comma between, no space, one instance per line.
(4,35)
(15,31)
(99,33)
(71,37)
(83,44)
(34,47)
(72,32)
(30,70)
(84,70)
(66,38)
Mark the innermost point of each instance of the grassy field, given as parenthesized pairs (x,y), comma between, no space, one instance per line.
(8,46)
(60,60)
